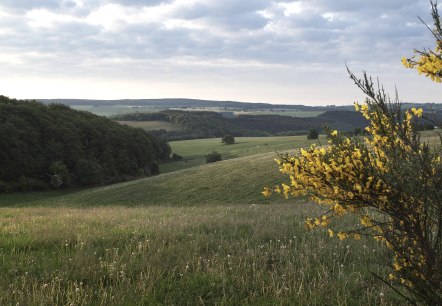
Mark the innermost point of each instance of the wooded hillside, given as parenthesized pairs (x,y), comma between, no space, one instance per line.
(199,124)
(43,146)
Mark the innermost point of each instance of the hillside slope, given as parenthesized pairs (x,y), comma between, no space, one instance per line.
(346,118)
(239,180)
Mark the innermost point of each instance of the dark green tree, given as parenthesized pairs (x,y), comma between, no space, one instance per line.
(89,172)
(213,157)
(312,134)
(59,175)
(228,139)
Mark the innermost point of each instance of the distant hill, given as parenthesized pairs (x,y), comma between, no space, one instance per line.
(43,146)
(197,124)
(198,103)
(344,117)
(276,125)
(190,103)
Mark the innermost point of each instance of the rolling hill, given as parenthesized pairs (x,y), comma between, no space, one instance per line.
(204,124)
(189,103)
(235,181)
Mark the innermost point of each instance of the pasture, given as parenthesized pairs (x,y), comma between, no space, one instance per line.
(194,151)
(239,180)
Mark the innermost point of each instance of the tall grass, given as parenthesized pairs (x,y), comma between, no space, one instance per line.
(225,255)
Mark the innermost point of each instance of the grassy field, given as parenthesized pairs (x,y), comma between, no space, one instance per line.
(153,125)
(199,236)
(200,255)
(194,151)
(239,180)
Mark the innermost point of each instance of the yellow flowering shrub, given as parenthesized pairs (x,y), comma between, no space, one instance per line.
(429,62)
(390,179)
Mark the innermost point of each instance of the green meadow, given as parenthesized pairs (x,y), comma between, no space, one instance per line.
(197,236)
(178,255)
(194,151)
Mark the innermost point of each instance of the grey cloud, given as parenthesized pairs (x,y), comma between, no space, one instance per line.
(138,2)
(70,6)
(30,4)
(369,6)
(231,14)
(221,8)
(359,33)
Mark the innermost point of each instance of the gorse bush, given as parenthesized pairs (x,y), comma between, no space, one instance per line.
(429,62)
(390,179)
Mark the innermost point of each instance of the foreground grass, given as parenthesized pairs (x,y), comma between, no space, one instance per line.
(226,255)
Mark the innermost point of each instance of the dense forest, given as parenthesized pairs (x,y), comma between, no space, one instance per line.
(54,146)
(198,124)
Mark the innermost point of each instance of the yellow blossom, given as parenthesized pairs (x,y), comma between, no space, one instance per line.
(417,112)
(342,235)
(267,192)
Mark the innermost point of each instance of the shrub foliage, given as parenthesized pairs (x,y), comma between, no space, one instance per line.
(213,157)
(429,62)
(390,179)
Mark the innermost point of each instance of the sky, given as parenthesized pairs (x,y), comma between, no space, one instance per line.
(280,52)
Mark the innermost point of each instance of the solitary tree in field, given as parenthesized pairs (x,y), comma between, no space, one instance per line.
(228,139)
(312,134)
(390,179)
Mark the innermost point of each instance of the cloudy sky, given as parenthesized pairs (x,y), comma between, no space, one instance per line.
(289,52)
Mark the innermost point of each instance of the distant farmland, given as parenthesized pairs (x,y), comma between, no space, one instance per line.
(153,125)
